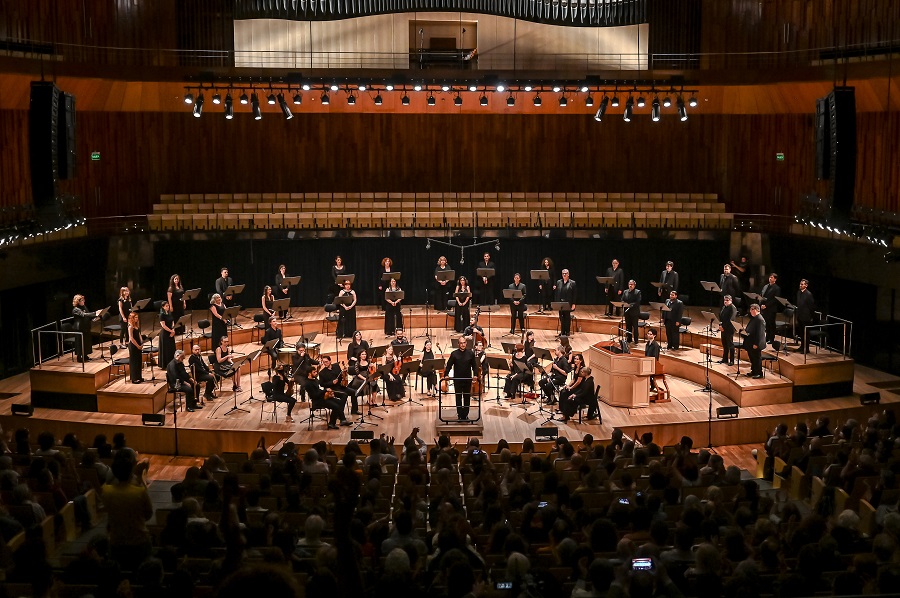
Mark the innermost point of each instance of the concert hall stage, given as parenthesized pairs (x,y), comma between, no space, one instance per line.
(98,400)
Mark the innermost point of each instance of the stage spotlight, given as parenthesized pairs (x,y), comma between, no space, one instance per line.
(431,100)
(389,87)
(629,109)
(405,100)
(298,99)
(254,101)
(285,109)
(325,99)
(229,107)
(361,87)
(601,111)
(334,87)
(537,100)
(682,111)
(188,98)
(510,101)
(528,88)
(244,99)
(557,89)
(417,87)
(473,88)
(379,100)
(641,103)
(563,102)
(305,87)
(351,100)
(589,101)
(615,100)
(445,87)
(217,99)
(667,102)
(428,244)
(198,106)
(693,101)
(497,246)
(457,101)
(483,100)
(654,111)
(501,88)
(271,99)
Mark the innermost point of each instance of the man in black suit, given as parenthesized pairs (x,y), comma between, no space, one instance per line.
(672,320)
(756,340)
(632,297)
(486,282)
(726,326)
(616,287)
(330,377)
(82,319)
(769,305)
(462,362)
(271,333)
(202,372)
(652,350)
(179,380)
(806,313)
(517,306)
(729,284)
(565,291)
(302,364)
(223,282)
(669,277)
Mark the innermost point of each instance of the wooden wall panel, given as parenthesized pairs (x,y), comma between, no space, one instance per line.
(15,179)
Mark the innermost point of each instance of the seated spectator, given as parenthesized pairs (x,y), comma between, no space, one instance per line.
(311,463)
(128,508)
(46,444)
(311,542)
(191,485)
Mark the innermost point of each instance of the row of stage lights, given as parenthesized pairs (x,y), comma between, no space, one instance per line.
(875,235)
(280,98)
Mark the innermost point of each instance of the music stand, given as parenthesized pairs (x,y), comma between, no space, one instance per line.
(338,301)
(235,365)
(190,295)
(426,366)
(340,279)
(542,353)
(605,280)
(511,295)
(286,283)
(485,273)
(140,304)
(386,276)
(623,306)
(395,296)
(661,286)
(661,307)
(785,304)
(755,297)
(403,351)
(559,307)
(376,352)
(711,287)
(184,321)
(230,314)
(282,306)
(268,349)
(253,356)
(509,348)
(497,364)
(231,291)
(410,367)
(444,276)
(541,276)
(150,350)
(738,328)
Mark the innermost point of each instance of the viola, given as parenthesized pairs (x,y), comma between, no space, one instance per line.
(343,379)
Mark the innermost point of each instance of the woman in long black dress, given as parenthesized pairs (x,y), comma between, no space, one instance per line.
(461,320)
(125,307)
(546,288)
(224,364)
(268,302)
(338,269)
(431,375)
(175,295)
(393,313)
(361,384)
(166,336)
(393,382)
(441,287)
(347,321)
(135,348)
(387,266)
(356,346)
(217,317)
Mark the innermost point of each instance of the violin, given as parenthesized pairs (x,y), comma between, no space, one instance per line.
(343,378)
(396,369)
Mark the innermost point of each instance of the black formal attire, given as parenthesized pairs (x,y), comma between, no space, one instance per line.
(347,317)
(726,317)
(272,334)
(463,313)
(485,369)
(221,285)
(670,279)
(520,373)
(393,314)
(224,368)
(268,306)
(464,366)
(652,350)
(360,386)
(166,340)
(545,289)
(756,335)
(381,285)
(672,320)
(517,312)
(614,289)
(769,292)
(125,307)
(279,292)
(301,366)
(354,349)
(279,396)
(81,322)
(336,288)
(730,286)
(202,373)
(441,289)
(334,405)
(177,305)
(806,316)
(486,288)
(632,314)
(135,354)
(219,327)
(178,379)
(568,397)
(431,375)
(565,291)
(394,384)
(330,379)
(556,380)
(470,330)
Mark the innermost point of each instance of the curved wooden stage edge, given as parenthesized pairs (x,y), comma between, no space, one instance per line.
(98,399)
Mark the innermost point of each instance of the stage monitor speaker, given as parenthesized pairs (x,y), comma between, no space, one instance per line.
(25,410)
(549,432)
(65,139)
(842,112)
(153,419)
(823,140)
(43,120)
(362,435)
(870,398)
(724,412)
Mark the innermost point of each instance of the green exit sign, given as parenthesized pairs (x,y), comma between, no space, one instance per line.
(779,157)
(95,156)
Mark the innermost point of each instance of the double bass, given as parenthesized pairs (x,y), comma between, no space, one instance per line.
(477,334)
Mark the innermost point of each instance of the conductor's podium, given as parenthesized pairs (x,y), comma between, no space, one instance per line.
(624,379)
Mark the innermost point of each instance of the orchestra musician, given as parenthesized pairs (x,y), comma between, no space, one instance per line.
(321,398)
(632,296)
(125,307)
(387,267)
(672,320)
(272,333)
(430,375)
(393,314)
(267,302)
(393,381)
(224,364)
(217,316)
(356,346)
(669,277)
(82,319)
(167,336)
(330,376)
(347,321)
(281,391)
(222,283)
(462,304)
(301,365)
(399,339)
(806,313)
(179,380)
(545,289)
(756,340)
(568,393)
(283,292)
(135,348)
(529,346)
(614,290)
(727,315)
(362,383)
(202,373)
(769,305)
(517,306)
(177,302)
(472,328)
(520,372)
(442,288)
(482,363)
(338,269)
(465,368)
(566,291)
(559,371)
(651,349)
(579,392)
(729,284)
(487,282)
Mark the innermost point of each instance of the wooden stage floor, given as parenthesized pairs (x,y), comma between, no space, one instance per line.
(212,429)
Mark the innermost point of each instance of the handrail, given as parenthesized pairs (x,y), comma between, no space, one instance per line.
(844,345)
(59,336)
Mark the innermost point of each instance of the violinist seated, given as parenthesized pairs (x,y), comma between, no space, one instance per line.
(282,390)
(473,331)
(577,393)
(332,377)
(272,333)
(321,398)
(520,372)
(399,339)
(302,364)
(393,381)
(559,371)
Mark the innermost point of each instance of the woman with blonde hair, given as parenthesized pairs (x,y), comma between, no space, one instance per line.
(135,348)
(217,315)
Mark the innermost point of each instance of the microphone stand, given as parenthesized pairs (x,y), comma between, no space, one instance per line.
(426,333)
(362,412)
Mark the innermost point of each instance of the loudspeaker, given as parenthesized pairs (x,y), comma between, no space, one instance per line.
(823,140)
(870,398)
(362,435)
(43,119)
(153,419)
(26,410)
(842,112)
(549,432)
(65,139)
(724,412)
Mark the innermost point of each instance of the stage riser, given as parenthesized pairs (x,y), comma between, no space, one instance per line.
(770,394)
(814,392)
(818,373)
(56,400)
(135,405)
(77,382)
